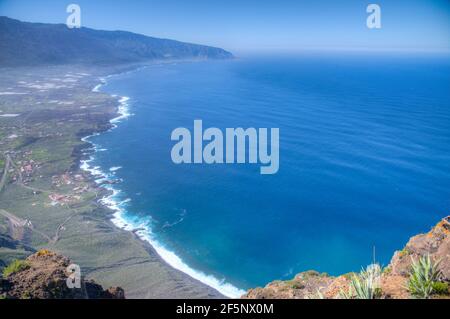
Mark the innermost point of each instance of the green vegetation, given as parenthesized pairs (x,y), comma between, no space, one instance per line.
(404,252)
(313,273)
(423,277)
(365,285)
(26,295)
(441,288)
(387,270)
(349,275)
(15,267)
(310,273)
(294,284)
(40,155)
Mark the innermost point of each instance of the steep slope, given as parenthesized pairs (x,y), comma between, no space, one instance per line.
(24,43)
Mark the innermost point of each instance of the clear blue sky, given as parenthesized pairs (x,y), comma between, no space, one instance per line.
(259,25)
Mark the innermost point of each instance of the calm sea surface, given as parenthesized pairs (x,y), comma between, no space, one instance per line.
(364,161)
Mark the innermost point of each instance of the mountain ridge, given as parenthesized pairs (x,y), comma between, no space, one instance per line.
(29,43)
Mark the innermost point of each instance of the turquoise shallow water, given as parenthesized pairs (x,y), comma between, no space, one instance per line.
(364,161)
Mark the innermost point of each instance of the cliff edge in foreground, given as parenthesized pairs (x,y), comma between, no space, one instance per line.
(394,280)
(44,276)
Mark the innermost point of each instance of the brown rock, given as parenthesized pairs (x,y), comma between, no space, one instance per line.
(95,291)
(394,287)
(338,285)
(305,285)
(436,243)
(45,278)
(115,293)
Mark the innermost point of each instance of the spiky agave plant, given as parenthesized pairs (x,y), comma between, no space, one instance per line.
(424,273)
(365,285)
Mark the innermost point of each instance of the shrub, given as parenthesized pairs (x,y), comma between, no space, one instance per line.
(26,295)
(310,273)
(349,275)
(14,267)
(387,270)
(44,252)
(295,284)
(404,252)
(423,276)
(440,288)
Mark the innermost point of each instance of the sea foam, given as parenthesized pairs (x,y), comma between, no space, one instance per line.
(140,226)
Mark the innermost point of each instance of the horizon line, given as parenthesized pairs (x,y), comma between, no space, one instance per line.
(270,50)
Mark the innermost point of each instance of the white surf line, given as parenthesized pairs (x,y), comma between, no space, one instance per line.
(97,87)
(142,227)
(12,93)
(9,115)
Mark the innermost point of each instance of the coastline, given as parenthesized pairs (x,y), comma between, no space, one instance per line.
(140,228)
(107,253)
(59,198)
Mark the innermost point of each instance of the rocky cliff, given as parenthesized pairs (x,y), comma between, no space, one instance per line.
(44,276)
(394,279)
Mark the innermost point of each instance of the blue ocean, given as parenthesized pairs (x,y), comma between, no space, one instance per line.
(364,162)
